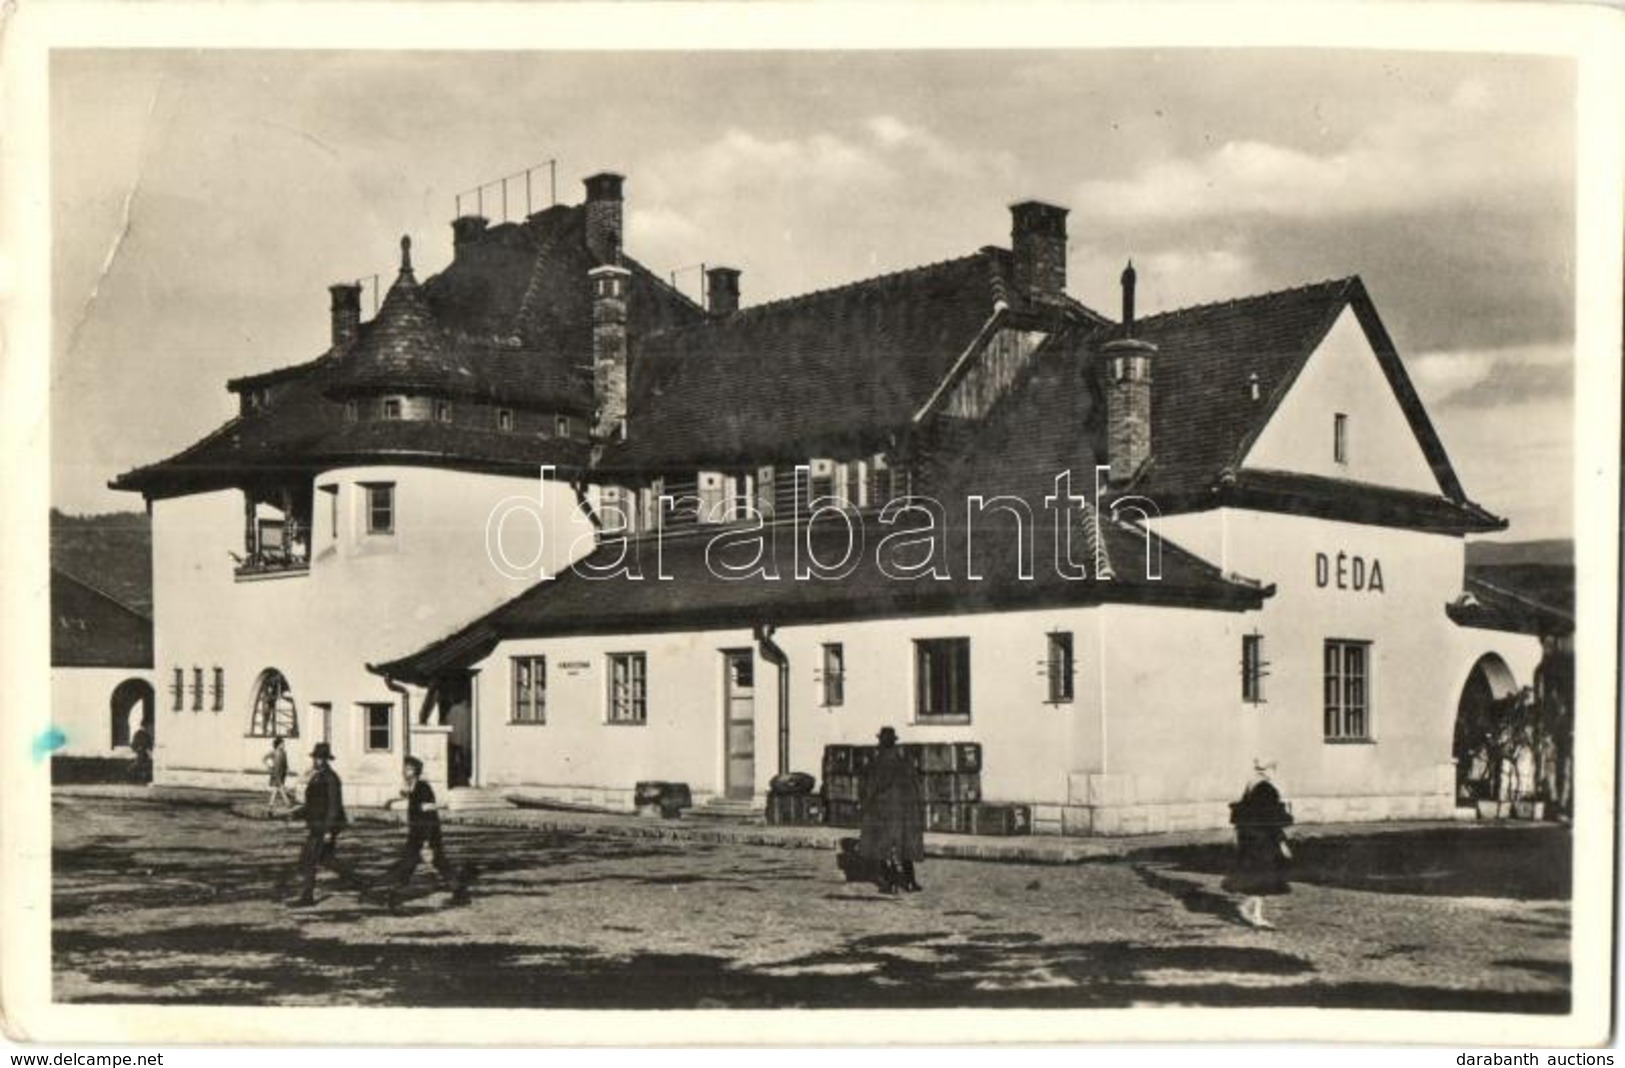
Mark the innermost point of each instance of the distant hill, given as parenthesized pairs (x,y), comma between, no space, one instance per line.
(112,552)
(1553,552)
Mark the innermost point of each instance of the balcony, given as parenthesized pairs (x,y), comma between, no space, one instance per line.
(278,549)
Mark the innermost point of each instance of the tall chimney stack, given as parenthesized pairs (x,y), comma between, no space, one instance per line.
(346,312)
(604,217)
(722,290)
(1038,239)
(1128,365)
(609,351)
(466,229)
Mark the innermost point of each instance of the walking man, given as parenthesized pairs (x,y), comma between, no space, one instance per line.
(323,812)
(276,762)
(422,830)
(893,829)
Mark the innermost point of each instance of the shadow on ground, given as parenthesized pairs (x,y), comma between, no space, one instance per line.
(1525,863)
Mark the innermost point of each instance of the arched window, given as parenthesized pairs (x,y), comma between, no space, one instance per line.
(275,715)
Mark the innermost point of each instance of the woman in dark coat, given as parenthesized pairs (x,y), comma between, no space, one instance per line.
(893,828)
(1260,819)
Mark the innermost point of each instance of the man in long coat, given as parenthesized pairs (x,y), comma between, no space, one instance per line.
(323,813)
(893,828)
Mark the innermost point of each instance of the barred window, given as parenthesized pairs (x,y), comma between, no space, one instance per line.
(834,674)
(197,689)
(177,689)
(217,692)
(1059,666)
(1254,668)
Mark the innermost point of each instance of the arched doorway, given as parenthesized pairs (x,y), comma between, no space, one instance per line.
(129,710)
(275,715)
(1477,749)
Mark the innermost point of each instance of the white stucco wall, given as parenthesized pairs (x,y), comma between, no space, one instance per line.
(81,708)
(364,599)
(1029,746)
(1343,375)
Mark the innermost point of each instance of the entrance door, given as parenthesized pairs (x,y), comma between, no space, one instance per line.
(739,711)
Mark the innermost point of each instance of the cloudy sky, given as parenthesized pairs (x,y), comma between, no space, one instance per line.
(204,201)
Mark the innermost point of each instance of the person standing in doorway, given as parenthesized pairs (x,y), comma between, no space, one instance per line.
(1262,853)
(422,830)
(893,828)
(276,763)
(324,816)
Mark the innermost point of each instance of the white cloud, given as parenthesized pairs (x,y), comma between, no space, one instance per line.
(1429,155)
(920,144)
(1442,375)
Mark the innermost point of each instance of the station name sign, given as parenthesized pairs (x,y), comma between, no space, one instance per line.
(1346,571)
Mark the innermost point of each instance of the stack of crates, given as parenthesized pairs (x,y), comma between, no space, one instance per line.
(950,786)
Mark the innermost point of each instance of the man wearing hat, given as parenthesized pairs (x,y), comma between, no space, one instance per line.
(893,816)
(422,829)
(323,812)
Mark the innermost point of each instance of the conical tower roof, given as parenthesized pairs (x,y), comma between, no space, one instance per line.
(403,348)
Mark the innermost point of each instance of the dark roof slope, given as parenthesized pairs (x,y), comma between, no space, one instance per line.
(694,597)
(90,628)
(508,322)
(838,367)
(1492,606)
(111,552)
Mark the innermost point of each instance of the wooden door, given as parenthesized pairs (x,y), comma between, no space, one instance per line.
(739,715)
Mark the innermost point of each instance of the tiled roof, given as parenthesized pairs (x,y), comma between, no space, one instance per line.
(90,628)
(788,379)
(507,322)
(695,598)
(1492,607)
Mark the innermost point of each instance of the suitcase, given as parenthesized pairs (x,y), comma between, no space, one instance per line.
(862,757)
(937,756)
(795,810)
(915,753)
(937,786)
(1001,820)
(854,865)
(967,787)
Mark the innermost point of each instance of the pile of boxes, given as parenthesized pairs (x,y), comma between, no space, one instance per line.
(950,786)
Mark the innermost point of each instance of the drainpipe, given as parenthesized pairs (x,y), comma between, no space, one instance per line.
(406,712)
(776,656)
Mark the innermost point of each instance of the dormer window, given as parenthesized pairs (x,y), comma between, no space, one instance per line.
(350,411)
(561,426)
(392,408)
(442,411)
(504,418)
(1340,438)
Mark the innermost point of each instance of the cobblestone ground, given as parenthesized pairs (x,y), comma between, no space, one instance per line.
(172,904)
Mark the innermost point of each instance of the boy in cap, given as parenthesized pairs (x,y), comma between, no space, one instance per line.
(422,829)
(323,813)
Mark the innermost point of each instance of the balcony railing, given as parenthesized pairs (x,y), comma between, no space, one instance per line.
(267,565)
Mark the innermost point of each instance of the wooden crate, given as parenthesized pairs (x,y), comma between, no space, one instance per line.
(938,756)
(862,757)
(947,818)
(937,786)
(1001,820)
(795,810)
(968,757)
(967,786)
(843,788)
(837,760)
(843,813)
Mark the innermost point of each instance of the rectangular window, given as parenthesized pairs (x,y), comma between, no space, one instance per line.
(392,407)
(350,412)
(504,418)
(834,675)
(217,693)
(177,689)
(1058,666)
(442,411)
(942,679)
(332,494)
(380,723)
(197,689)
(1348,680)
(561,426)
(628,688)
(380,507)
(529,689)
(1340,438)
(1253,668)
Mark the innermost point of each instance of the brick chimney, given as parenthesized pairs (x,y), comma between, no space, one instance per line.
(1128,364)
(1038,239)
(604,217)
(467,229)
(346,312)
(721,290)
(609,353)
